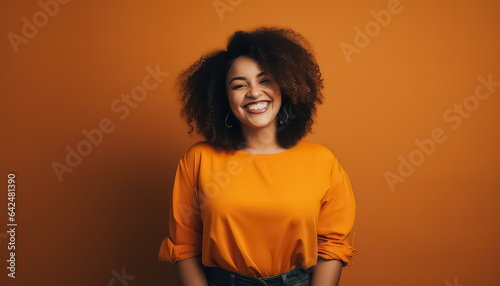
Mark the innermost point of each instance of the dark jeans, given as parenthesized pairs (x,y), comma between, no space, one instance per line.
(217,276)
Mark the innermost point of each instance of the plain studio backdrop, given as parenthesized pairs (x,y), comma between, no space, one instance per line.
(91,130)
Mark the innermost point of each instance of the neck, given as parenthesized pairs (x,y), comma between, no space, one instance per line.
(261,139)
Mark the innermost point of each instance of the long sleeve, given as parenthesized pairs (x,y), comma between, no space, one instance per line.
(336,217)
(185,225)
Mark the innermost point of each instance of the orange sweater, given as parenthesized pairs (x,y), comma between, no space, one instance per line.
(260,214)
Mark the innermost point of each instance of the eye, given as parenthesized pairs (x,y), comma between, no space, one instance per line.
(265,80)
(237,86)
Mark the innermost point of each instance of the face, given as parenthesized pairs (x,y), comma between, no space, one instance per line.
(247,84)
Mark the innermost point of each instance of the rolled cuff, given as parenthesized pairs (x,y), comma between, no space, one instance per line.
(342,253)
(173,253)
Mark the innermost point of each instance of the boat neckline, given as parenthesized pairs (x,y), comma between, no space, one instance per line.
(287,150)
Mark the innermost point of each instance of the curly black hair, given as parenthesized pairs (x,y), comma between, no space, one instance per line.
(283,53)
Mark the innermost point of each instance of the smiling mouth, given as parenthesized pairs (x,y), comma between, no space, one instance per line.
(257,106)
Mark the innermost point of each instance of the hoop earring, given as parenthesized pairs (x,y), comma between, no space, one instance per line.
(225,121)
(281,122)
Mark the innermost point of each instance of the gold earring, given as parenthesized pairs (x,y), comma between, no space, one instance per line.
(225,121)
(281,122)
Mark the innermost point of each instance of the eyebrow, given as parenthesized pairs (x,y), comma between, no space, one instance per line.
(244,78)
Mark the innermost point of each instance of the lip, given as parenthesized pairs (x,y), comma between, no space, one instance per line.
(253,102)
(258,111)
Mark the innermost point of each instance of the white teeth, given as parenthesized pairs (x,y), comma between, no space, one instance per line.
(259,105)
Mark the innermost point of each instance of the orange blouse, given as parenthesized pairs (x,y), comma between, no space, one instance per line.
(260,214)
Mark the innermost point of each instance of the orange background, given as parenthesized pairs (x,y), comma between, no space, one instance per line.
(438,227)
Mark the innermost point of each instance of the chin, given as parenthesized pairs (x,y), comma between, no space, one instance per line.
(259,124)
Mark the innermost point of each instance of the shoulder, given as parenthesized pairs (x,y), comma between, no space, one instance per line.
(320,154)
(196,150)
(200,146)
(191,159)
(317,149)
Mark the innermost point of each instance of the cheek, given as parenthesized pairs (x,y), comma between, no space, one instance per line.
(234,99)
(277,97)
(231,96)
(276,93)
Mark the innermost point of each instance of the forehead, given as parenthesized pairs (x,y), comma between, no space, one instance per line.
(243,66)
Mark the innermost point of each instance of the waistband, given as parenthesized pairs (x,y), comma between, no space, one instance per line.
(231,278)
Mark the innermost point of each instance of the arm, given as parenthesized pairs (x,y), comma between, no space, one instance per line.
(191,271)
(327,272)
(335,222)
(183,245)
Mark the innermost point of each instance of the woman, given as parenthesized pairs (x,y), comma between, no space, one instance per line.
(255,204)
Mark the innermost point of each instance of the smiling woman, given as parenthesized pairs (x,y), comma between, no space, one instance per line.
(254,99)
(259,204)
(266,64)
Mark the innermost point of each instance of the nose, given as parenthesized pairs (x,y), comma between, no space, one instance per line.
(254,91)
